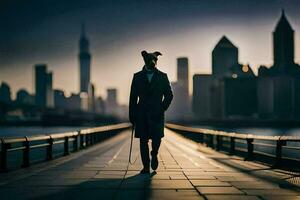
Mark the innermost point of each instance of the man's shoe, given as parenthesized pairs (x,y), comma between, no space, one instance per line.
(154,162)
(145,171)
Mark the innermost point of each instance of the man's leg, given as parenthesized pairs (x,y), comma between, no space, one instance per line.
(155,147)
(144,149)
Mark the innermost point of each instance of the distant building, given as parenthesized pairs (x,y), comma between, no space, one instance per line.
(231,89)
(91,98)
(84,61)
(224,57)
(111,102)
(5,94)
(84,101)
(283,44)
(278,85)
(23,97)
(100,105)
(43,86)
(202,98)
(240,97)
(60,99)
(73,102)
(181,105)
(49,90)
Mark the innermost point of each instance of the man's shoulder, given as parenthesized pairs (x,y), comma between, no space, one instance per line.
(162,74)
(140,73)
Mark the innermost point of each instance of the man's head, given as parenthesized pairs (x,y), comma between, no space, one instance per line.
(150,59)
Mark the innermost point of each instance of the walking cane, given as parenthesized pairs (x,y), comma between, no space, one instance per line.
(132,133)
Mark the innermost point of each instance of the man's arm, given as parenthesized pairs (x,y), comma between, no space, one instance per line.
(133,101)
(168,94)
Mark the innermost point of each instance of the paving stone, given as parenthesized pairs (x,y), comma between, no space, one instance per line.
(209,183)
(254,185)
(170,184)
(232,197)
(270,192)
(173,195)
(280,197)
(200,177)
(219,190)
(129,194)
(178,177)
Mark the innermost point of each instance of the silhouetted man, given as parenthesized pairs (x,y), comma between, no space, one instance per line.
(150,96)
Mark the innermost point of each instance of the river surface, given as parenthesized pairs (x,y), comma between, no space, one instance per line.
(35,130)
(259,130)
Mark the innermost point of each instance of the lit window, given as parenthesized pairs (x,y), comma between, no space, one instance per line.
(245,68)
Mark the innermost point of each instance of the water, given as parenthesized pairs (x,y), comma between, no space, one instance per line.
(269,131)
(34,130)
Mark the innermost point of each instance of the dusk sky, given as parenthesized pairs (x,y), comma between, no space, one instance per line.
(48,31)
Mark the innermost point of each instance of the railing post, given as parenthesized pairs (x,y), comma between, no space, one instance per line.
(219,142)
(201,139)
(49,150)
(66,146)
(279,145)
(81,140)
(250,148)
(26,151)
(211,141)
(4,148)
(75,142)
(232,145)
(87,140)
(92,138)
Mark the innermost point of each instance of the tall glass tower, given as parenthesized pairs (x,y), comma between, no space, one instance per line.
(84,61)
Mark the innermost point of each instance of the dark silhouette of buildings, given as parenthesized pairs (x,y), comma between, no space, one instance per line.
(84,61)
(60,100)
(24,98)
(43,86)
(283,40)
(229,91)
(278,85)
(5,94)
(224,57)
(233,91)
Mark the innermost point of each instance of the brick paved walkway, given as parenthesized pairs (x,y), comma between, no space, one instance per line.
(186,171)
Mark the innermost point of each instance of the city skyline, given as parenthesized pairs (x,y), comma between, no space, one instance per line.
(105,64)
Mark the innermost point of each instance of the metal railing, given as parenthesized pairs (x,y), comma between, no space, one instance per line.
(228,141)
(77,139)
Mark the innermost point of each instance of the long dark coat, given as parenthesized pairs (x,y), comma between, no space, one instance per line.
(148,103)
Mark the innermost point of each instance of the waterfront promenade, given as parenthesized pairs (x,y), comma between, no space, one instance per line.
(186,171)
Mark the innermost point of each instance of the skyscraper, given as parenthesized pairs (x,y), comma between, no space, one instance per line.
(180,108)
(84,61)
(183,72)
(43,86)
(111,103)
(224,57)
(91,98)
(5,95)
(283,41)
